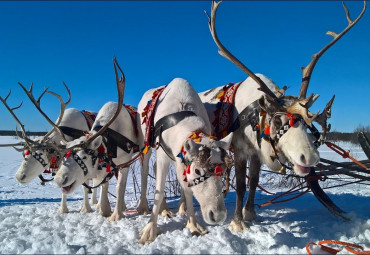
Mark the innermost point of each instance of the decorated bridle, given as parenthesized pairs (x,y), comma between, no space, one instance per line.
(212,170)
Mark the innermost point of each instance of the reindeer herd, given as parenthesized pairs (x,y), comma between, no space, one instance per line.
(254,119)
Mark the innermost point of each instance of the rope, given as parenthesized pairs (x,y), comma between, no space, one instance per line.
(353,248)
(344,154)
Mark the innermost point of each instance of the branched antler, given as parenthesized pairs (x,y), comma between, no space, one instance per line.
(37,104)
(307,71)
(225,53)
(28,142)
(121,92)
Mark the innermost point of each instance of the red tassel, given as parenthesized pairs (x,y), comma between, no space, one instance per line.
(267,130)
(108,169)
(54,160)
(218,170)
(188,169)
(68,154)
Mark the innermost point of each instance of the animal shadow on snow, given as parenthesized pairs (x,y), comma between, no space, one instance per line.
(26,201)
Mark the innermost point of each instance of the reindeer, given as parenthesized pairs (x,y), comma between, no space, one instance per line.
(270,127)
(170,122)
(44,152)
(113,140)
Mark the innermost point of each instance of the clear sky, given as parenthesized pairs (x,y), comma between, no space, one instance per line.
(47,42)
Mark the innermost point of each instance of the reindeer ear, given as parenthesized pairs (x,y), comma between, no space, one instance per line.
(191,148)
(225,142)
(96,143)
(268,105)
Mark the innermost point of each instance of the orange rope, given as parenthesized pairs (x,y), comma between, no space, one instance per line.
(344,154)
(353,248)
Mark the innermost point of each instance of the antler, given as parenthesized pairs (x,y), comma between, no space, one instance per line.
(121,92)
(307,71)
(324,116)
(225,53)
(28,142)
(301,107)
(38,106)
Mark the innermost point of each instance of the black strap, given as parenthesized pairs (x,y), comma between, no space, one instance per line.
(169,121)
(72,132)
(165,123)
(113,139)
(249,116)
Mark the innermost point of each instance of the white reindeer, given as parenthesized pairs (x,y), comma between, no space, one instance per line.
(283,120)
(43,153)
(178,114)
(114,131)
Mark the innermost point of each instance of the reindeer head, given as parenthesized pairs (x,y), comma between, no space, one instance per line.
(44,152)
(81,162)
(288,117)
(206,159)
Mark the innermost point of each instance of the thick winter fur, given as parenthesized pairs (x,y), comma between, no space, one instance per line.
(179,95)
(70,175)
(31,168)
(295,145)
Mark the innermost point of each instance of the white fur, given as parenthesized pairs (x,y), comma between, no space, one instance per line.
(71,175)
(295,144)
(31,168)
(179,95)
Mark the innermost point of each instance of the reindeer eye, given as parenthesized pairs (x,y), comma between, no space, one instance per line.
(197,171)
(84,157)
(277,122)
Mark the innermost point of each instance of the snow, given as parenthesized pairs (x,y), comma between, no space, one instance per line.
(29,223)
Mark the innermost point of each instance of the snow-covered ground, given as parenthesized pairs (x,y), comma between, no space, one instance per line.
(29,223)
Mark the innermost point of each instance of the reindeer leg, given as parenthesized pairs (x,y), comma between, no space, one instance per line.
(192,223)
(93,200)
(104,205)
(120,191)
(142,207)
(149,233)
(254,173)
(237,224)
(182,204)
(164,210)
(63,205)
(86,208)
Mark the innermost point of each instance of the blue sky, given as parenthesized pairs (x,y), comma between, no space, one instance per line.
(47,42)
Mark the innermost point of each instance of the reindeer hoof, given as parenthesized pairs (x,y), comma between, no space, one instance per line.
(167,213)
(142,208)
(62,210)
(196,229)
(238,226)
(149,233)
(86,209)
(116,216)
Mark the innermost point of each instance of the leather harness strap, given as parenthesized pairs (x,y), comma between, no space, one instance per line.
(165,123)
(113,139)
(72,132)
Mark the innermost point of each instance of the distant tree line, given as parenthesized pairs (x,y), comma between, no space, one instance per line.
(348,137)
(13,133)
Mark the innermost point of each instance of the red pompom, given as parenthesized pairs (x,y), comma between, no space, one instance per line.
(108,168)
(68,154)
(188,169)
(27,152)
(218,170)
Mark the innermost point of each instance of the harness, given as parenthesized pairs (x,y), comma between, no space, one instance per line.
(216,171)
(56,158)
(168,121)
(112,140)
(250,115)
